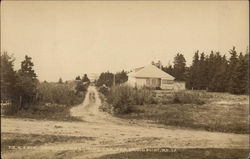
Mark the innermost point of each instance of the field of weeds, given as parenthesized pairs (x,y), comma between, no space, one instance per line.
(221,112)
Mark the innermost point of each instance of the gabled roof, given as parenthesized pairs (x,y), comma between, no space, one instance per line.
(150,71)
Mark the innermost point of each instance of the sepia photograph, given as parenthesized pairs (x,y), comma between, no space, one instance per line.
(117,79)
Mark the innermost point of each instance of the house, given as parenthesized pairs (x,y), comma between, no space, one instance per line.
(152,76)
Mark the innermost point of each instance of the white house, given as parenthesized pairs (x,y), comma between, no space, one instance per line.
(152,76)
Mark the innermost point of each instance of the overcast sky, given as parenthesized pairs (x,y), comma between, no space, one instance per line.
(67,38)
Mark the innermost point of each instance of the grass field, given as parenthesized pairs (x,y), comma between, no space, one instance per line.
(183,154)
(221,112)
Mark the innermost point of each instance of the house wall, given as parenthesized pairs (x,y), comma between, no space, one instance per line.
(167,84)
(131,81)
(140,82)
(172,85)
(162,83)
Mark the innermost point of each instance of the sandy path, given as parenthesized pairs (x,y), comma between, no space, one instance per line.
(110,132)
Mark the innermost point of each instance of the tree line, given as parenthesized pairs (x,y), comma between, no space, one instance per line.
(23,89)
(109,79)
(18,86)
(212,72)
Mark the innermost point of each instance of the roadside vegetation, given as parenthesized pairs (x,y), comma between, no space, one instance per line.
(123,98)
(23,95)
(200,106)
(203,110)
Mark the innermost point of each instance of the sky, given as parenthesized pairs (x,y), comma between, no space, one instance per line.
(70,38)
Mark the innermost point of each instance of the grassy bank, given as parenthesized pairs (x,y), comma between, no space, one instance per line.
(204,117)
(184,154)
(222,112)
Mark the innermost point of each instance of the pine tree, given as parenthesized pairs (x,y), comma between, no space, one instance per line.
(202,71)
(27,82)
(193,78)
(219,80)
(179,67)
(106,78)
(60,81)
(231,67)
(239,79)
(85,78)
(247,77)
(121,77)
(8,77)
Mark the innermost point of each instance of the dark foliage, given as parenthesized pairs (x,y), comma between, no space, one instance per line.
(107,78)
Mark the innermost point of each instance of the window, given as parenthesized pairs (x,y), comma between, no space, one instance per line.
(147,82)
(165,81)
(154,81)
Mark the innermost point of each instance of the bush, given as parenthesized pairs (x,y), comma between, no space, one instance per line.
(122,98)
(143,96)
(59,94)
(104,90)
(187,97)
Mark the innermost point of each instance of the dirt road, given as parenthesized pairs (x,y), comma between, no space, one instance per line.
(112,135)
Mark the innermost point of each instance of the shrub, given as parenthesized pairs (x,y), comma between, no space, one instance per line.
(143,96)
(188,97)
(59,94)
(122,98)
(104,90)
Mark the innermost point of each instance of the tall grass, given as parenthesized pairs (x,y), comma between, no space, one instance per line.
(122,98)
(58,93)
(53,102)
(189,97)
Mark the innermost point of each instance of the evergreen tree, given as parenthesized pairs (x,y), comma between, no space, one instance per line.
(239,79)
(219,80)
(106,78)
(231,67)
(193,78)
(247,77)
(60,81)
(121,77)
(8,77)
(211,67)
(27,82)
(179,67)
(85,78)
(202,71)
